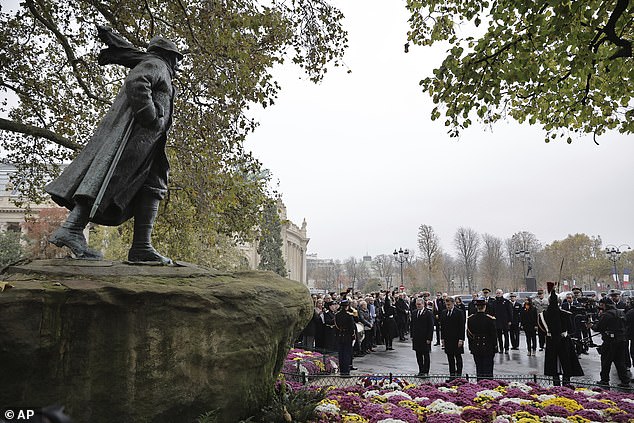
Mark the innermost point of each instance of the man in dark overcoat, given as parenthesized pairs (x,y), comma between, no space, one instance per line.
(560,357)
(503,318)
(514,330)
(453,329)
(422,332)
(123,169)
(482,337)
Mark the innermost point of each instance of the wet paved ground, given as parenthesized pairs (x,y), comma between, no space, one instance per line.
(402,361)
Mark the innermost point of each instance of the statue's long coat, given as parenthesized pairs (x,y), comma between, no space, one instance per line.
(145,102)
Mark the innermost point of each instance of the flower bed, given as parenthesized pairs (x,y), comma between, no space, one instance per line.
(309,362)
(488,401)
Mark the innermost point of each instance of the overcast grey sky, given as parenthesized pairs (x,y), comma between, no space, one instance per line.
(359,157)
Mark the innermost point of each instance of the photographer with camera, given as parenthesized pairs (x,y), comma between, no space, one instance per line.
(611,325)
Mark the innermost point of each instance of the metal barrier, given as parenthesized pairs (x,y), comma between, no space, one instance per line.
(406,379)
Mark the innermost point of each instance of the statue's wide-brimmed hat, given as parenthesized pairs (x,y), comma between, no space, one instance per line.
(164,44)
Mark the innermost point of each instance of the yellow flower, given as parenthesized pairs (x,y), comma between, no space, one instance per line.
(410,386)
(378,399)
(613,410)
(482,398)
(567,403)
(354,418)
(329,401)
(501,389)
(607,401)
(525,417)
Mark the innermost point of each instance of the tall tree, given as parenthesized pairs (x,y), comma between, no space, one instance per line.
(10,247)
(270,243)
(492,261)
(429,245)
(564,64)
(467,243)
(449,272)
(49,64)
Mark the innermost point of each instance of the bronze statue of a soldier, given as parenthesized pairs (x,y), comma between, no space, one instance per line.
(123,169)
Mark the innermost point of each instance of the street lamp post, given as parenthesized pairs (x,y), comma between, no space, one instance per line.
(525,257)
(401,257)
(613,253)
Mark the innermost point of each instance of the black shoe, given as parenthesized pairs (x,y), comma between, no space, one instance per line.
(353,368)
(603,382)
(75,240)
(541,348)
(515,348)
(391,349)
(147,255)
(437,343)
(421,374)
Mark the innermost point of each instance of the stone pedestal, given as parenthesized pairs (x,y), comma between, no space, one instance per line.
(117,342)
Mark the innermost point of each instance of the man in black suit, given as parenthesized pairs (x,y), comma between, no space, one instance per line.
(453,326)
(422,331)
(503,320)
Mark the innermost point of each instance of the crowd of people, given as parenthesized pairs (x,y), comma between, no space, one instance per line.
(354,324)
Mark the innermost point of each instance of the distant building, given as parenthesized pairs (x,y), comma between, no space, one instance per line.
(11,216)
(294,246)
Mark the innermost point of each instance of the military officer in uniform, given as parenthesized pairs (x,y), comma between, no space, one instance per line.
(560,359)
(482,335)
(611,325)
(346,329)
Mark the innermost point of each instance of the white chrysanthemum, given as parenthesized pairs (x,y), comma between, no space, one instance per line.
(327,408)
(445,389)
(391,421)
(521,386)
(303,369)
(392,385)
(554,419)
(504,418)
(397,394)
(630,400)
(421,399)
(587,392)
(445,407)
(370,394)
(489,393)
(545,397)
(515,401)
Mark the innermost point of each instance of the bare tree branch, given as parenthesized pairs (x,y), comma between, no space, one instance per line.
(21,128)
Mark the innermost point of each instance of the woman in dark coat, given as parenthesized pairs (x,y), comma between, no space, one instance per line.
(560,356)
(389,329)
(528,320)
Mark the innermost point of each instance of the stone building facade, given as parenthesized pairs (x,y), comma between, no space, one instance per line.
(294,247)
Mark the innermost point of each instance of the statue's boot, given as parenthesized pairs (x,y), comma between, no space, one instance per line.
(144,215)
(71,234)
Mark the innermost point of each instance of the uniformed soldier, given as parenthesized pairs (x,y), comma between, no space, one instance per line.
(346,329)
(560,359)
(482,336)
(611,325)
